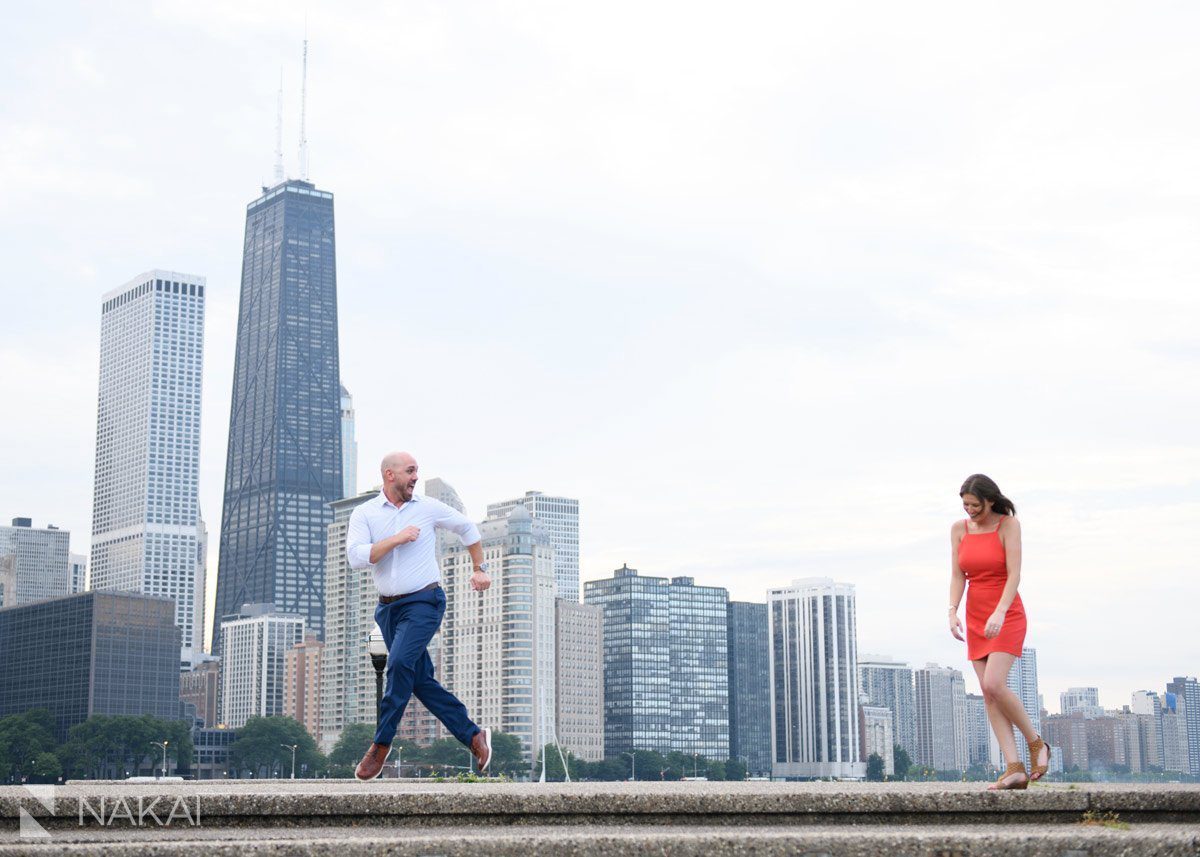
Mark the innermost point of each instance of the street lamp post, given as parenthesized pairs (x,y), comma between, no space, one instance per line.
(377,649)
(695,765)
(632,766)
(291,747)
(162,744)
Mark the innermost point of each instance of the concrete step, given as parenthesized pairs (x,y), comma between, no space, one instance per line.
(344,817)
(1024,840)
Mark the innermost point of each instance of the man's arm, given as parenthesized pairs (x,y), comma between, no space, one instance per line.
(359,549)
(448,518)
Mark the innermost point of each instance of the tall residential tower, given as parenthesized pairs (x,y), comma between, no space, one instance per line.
(561,515)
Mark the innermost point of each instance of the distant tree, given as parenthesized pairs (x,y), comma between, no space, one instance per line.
(900,762)
(45,769)
(258,748)
(349,749)
(107,746)
(554,765)
(23,738)
(735,769)
(875,768)
(507,756)
(714,769)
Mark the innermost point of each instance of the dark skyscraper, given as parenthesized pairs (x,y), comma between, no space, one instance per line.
(749,687)
(284,461)
(106,653)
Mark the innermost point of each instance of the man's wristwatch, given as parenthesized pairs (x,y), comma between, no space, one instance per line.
(482,567)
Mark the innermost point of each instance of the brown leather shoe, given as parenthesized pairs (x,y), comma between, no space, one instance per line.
(481,749)
(372,762)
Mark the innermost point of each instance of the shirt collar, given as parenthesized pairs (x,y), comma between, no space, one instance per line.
(384,501)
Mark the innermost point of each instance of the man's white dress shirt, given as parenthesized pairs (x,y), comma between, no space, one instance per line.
(411,566)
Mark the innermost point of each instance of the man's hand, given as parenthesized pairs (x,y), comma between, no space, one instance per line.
(408,534)
(480,581)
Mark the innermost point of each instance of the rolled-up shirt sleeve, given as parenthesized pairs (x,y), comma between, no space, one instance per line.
(358,541)
(451,519)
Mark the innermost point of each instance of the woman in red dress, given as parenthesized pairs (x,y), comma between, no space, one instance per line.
(985,559)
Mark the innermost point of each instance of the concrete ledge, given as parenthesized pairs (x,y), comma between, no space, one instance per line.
(316,803)
(811,841)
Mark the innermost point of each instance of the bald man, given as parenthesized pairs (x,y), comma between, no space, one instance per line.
(392,535)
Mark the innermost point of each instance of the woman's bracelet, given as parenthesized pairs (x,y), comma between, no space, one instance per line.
(954,607)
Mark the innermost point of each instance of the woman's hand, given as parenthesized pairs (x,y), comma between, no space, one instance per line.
(994,623)
(956,627)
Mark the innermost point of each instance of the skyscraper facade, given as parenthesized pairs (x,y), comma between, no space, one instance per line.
(77,573)
(107,653)
(749,687)
(1023,681)
(699,617)
(637,660)
(200,687)
(979,732)
(814,680)
(875,731)
(146,505)
(889,683)
(254,643)
(284,459)
(349,446)
(1081,700)
(941,703)
(1147,705)
(579,691)
(302,684)
(497,646)
(1186,690)
(561,515)
(347,677)
(34,563)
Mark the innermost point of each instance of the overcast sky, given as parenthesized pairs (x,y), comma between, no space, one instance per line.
(760,284)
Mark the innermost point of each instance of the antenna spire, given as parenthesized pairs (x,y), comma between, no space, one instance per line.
(279,132)
(303,104)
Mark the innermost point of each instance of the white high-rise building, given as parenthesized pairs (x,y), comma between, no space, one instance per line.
(497,646)
(579,695)
(1023,681)
(814,680)
(979,732)
(77,572)
(875,725)
(146,507)
(561,516)
(349,447)
(253,668)
(888,683)
(199,626)
(1081,700)
(347,677)
(1147,705)
(941,699)
(34,563)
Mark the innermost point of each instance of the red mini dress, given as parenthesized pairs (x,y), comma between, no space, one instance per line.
(983,562)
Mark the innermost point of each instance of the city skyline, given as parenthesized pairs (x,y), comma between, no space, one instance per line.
(822,381)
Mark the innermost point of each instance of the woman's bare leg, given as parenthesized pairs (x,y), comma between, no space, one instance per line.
(1001,725)
(995,684)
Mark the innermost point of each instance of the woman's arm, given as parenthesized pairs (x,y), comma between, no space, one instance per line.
(958,582)
(1010,537)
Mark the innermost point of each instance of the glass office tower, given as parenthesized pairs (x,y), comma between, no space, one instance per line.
(284,463)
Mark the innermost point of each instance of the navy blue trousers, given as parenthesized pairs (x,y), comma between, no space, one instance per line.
(408,625)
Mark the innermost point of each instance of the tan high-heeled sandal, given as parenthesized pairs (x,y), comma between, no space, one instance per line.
(1014,768)
(1036,771)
